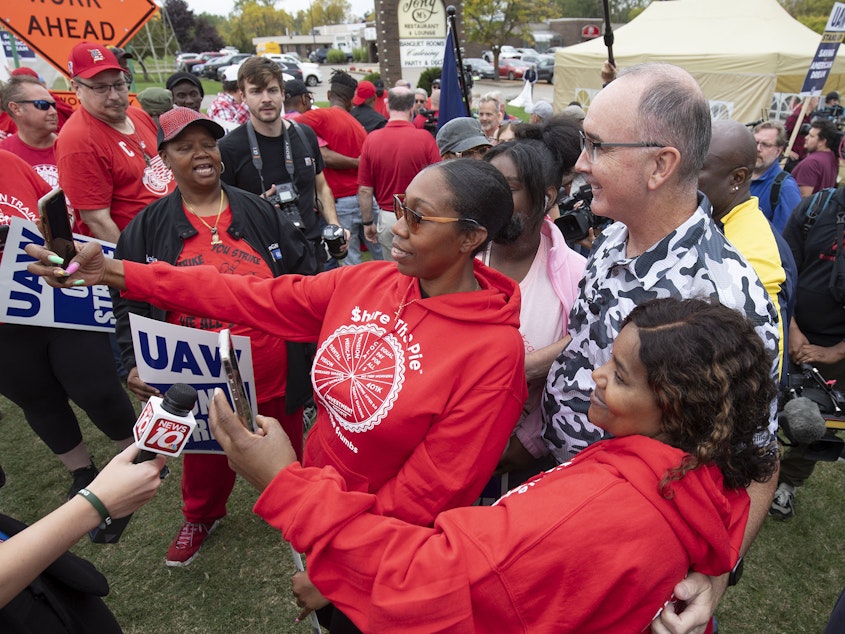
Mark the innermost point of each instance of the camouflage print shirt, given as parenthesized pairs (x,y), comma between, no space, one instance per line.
(695,260)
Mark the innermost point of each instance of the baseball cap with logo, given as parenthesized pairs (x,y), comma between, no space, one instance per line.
(87,60)
(365,90)
(173,122)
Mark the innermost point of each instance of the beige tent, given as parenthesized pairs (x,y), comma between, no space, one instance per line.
(741,52)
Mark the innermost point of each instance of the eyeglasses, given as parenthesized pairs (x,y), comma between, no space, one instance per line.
(591,148)
(103,89)
(766,146)
(414,218)
(474,152)
(40,104)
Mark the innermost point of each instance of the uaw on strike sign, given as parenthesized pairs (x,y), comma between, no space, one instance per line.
(53,27)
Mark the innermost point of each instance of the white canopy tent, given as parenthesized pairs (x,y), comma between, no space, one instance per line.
(741,52)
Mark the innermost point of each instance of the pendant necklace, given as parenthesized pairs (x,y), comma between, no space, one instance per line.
(215,238)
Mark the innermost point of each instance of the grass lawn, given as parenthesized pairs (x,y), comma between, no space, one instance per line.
(240,580)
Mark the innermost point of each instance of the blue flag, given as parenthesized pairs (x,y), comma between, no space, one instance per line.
(451,99)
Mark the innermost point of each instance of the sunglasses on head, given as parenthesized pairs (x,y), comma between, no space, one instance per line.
(414,218)
(41,104)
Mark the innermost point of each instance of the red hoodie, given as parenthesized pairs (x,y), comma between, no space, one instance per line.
(417,396)
(590,546)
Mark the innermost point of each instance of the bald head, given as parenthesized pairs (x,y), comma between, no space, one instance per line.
(726,175)
(735,143)
(671,110)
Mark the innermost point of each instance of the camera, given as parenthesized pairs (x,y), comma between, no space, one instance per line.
(806,381)
(334,238)
(430,120)
(576,217)
(285,200)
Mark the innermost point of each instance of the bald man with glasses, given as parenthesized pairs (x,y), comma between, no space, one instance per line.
(106,153)
(645,139)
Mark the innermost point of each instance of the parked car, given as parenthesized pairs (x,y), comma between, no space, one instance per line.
(504,51)
(291,69)
(211,69)
(321,54)
(526,51)
(310,71)
(481,69)
(546,68)
(183,57)
(512,68)
(188,64)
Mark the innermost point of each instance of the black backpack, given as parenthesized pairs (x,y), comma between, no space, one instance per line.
(64,599)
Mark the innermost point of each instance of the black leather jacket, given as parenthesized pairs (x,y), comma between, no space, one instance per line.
(158,232)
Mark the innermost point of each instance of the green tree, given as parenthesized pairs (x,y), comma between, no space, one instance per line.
(255,18)
(811,13)
(492,22)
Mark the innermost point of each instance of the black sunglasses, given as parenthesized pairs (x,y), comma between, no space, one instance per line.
(41,104)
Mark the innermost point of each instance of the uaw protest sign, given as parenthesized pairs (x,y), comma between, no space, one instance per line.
(825,53)
(168,354)
(26,299)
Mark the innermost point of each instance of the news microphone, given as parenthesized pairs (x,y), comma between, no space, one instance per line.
(802,421)
(163,428)
(166,424)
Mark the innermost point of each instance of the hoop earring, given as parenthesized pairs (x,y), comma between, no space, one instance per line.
(222,167)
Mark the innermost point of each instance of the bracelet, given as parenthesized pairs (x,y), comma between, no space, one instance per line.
(368,223)
(97,504)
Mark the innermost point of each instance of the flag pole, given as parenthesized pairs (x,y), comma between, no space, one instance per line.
(450,13)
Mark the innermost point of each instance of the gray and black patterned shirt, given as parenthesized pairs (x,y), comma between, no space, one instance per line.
(695,260)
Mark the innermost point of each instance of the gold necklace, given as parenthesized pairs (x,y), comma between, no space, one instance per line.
(215,239)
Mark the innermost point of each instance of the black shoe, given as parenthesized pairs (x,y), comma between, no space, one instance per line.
(81,479)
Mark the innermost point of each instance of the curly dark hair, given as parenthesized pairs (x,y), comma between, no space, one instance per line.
(711,376)
(343,84)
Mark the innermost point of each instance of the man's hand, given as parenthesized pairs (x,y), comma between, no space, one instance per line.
(371,233)
(258,457)
(138,387)
(701,594)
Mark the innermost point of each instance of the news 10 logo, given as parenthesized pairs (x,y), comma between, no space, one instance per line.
(164,436)
(143,422)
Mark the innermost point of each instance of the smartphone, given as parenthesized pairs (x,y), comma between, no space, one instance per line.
(237,389)
(56,222)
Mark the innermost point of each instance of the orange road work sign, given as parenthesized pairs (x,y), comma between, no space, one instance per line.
(53,27)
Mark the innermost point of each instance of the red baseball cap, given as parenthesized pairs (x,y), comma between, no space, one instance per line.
(365,90)
(172,122)
(24,70)
(86,60)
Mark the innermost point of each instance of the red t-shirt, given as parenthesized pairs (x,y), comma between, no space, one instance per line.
(20,189)
(344,135)
(269,353)
(100,167)
(392,156)
(43,160)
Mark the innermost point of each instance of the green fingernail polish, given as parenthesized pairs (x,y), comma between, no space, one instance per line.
(77,282)
(55,259)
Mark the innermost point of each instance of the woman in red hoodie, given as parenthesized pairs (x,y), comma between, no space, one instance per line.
(419,372)
(593,545)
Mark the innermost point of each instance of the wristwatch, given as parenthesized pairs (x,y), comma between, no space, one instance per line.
(367,223)
(736,573)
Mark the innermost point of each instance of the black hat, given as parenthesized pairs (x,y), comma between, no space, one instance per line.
(179,77)
(294,88)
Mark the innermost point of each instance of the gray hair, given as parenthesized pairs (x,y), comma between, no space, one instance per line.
(780,139)
(674,112)
(493,97)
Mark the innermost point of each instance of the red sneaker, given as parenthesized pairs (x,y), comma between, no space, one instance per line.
(188,542)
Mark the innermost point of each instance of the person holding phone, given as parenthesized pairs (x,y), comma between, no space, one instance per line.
(594,545)
(207,222)
(45,367)
(419,374)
